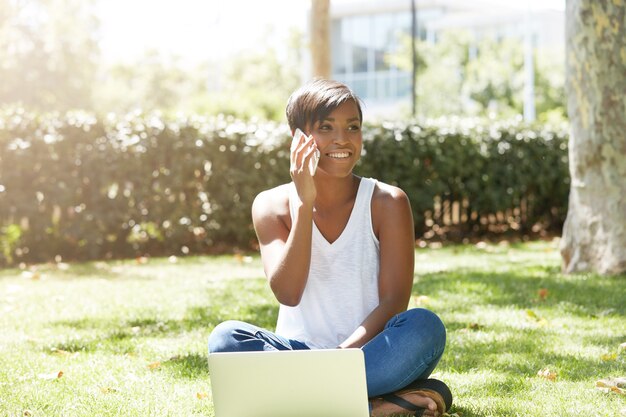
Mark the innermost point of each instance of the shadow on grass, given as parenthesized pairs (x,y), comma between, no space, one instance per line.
(521,348)
(190,366)
(522,352)
(463,411)
(585,296)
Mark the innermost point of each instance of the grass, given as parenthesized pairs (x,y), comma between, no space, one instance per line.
(130,337)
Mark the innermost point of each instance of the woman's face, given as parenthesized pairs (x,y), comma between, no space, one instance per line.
(339,140)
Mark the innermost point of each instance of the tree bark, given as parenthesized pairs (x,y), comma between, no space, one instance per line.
(594,234)
(320,38)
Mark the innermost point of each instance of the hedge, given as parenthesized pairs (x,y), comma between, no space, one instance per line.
(73,186)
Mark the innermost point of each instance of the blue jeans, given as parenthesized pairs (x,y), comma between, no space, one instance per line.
(408,348)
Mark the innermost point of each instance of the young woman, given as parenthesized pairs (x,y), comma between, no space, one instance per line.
(338,252)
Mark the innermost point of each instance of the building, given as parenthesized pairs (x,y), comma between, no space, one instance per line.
(364,33)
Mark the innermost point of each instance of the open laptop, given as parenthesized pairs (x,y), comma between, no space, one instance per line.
(298,383)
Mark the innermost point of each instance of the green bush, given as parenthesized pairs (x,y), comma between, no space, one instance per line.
(78,187)
(504,176)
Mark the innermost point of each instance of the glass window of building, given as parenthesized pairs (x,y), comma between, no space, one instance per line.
(362,46)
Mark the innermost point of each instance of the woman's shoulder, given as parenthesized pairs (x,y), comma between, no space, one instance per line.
(388,194)
(390,208)
(272,202)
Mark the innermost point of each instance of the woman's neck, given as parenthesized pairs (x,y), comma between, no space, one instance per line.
(333,192)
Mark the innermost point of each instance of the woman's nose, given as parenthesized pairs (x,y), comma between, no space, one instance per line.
(340,137)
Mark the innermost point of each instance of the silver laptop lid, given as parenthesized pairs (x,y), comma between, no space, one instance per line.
(301,383)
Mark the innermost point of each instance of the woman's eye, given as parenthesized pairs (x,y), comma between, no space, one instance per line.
(325,127)
(354,127)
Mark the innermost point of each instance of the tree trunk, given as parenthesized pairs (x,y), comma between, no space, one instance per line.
(594,234)
(320,38)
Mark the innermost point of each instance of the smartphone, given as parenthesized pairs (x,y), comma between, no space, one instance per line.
(314,159)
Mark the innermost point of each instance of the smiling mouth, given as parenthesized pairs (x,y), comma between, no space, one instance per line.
(338,155)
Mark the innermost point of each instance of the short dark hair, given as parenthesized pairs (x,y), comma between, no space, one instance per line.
(315,100)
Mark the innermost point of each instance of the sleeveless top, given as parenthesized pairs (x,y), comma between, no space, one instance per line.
(342,285)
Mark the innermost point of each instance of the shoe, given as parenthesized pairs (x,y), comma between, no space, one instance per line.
(431,388)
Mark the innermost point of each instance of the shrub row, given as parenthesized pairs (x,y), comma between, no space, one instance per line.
(78,187)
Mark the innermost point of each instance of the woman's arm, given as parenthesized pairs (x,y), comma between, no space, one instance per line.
(286,251)
(393,224)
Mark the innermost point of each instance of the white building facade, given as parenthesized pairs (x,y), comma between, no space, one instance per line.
(364,33)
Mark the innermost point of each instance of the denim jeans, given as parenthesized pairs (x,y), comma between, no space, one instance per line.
(408,348)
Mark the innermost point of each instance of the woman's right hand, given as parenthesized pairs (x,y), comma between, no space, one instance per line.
(303,150)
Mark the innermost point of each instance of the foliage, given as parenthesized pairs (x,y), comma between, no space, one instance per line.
(9,237)
(129,338)
(88,188)
(50,61)
(153,81)
(460,75)
(257,84)
(485,167)
(48,53)
(247,86)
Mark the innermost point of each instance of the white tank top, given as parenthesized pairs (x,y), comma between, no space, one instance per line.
(342,286)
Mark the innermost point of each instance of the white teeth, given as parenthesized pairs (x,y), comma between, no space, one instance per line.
(339,155)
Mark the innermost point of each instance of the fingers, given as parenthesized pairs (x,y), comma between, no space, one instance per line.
(302,149)
(297,140)
(310,159)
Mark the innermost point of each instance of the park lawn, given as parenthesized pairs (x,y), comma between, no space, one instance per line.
(128,338)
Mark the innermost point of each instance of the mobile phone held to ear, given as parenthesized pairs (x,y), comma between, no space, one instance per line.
(316,156)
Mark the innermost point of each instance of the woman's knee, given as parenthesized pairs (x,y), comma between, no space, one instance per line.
(222,338)
(428,323)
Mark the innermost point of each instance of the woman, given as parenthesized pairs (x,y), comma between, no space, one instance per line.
(338,252)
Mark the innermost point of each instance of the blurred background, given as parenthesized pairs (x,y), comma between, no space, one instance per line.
(494,58)
(135,127)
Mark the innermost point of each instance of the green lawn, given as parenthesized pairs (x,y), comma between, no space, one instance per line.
(130,337)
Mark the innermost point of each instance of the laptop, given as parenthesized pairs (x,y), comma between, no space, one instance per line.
(293,383)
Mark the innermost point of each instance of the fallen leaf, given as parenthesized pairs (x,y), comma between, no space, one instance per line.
(202,395)
(607,357)
(107,390)
(547,374)
(27,413)
(154,365)
(612,382)
(532,314)
(536,318)
(141,260)
(60,352)
(51,376)
(543,293)
(618,390)
(615,385)
(471,327)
